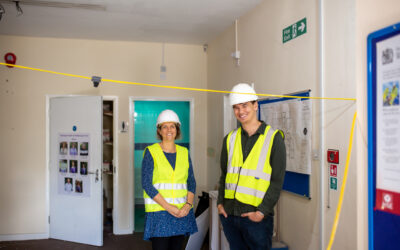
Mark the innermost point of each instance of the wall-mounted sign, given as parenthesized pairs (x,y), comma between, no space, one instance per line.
(384,138)
(333,183)
(297,29)
(333,170)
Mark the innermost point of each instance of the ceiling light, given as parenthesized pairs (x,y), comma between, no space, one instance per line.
(163,68)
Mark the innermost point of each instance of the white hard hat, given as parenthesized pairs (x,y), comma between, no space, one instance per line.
(168,116)
(235,98)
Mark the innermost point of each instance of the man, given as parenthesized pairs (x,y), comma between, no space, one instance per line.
(253,163)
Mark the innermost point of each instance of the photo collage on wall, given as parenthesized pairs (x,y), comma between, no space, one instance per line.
(73,164)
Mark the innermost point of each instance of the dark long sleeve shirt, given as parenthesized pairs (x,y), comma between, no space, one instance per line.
(278,165)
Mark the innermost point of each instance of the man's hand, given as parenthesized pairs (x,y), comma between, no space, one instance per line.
(221,210)
(254,216)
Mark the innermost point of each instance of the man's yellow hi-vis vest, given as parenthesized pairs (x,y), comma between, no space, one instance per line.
(170,183)
(248,181)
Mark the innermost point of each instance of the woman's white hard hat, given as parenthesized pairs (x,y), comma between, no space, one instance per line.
(236,98)
(168,116)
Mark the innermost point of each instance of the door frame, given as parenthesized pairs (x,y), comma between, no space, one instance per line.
(230,121)
(132,99)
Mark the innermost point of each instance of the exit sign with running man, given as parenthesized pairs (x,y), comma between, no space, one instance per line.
(297,29)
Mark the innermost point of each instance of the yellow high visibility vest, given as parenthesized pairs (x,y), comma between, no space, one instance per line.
(248,181)
(170,183)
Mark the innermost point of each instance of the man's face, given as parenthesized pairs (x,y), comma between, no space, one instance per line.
(245,112)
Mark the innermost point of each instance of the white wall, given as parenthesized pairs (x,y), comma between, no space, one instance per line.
(278,68)
(23,193)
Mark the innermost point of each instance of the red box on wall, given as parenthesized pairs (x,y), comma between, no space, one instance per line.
(333,156)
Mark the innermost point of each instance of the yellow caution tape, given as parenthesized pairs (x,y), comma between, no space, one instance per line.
(346,170)
(176,87)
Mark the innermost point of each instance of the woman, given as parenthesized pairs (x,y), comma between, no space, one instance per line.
(169,187)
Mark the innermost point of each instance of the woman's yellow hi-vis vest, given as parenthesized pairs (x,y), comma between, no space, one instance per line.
(170,183)
(249,181)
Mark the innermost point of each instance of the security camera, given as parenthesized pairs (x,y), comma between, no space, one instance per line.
(96,81)
(2,11)
(205,47)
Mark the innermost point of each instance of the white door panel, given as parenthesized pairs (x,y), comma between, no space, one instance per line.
(76,216)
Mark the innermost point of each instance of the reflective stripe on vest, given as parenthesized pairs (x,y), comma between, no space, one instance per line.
(150,201)
(249,181)
(171,184)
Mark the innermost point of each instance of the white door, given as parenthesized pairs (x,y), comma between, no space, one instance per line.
(76,204)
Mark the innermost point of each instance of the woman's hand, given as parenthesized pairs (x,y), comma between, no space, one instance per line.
(184,210)
(174,211)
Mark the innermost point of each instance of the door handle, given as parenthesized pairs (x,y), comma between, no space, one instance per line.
(96,173)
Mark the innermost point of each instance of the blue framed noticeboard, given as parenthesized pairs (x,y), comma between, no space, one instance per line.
(384,138)
(294,117)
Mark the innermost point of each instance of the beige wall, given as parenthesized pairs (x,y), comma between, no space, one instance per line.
(23,193)
(278,68)
(371,16)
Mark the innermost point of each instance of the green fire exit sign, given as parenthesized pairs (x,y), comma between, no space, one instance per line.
(333,183)
(294,30)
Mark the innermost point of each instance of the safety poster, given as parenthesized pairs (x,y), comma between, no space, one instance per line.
(388,125)
(73,164)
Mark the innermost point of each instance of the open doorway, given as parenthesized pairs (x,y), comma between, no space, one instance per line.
(109,167)
(144,115)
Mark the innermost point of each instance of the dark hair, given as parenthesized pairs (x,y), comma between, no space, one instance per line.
(178,131)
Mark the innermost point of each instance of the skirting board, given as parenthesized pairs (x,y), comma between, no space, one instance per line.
(14,237)
(124,231)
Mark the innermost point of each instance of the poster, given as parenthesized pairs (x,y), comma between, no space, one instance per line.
(293,117)
(388,125)
(73,164)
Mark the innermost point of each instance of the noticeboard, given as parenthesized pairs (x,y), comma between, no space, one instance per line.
(384,138)
(293,117)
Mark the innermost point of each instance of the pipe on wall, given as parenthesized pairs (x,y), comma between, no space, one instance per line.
(321,122)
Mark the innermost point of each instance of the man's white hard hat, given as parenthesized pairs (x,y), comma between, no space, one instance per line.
(236,98)
(168,116)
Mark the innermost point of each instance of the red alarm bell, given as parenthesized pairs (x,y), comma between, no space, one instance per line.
(10,58)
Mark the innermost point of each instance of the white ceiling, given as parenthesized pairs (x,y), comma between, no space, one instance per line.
(170,21)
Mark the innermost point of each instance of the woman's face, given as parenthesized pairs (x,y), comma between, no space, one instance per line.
(168,131)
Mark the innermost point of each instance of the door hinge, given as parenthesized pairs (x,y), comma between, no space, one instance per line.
(49,219)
